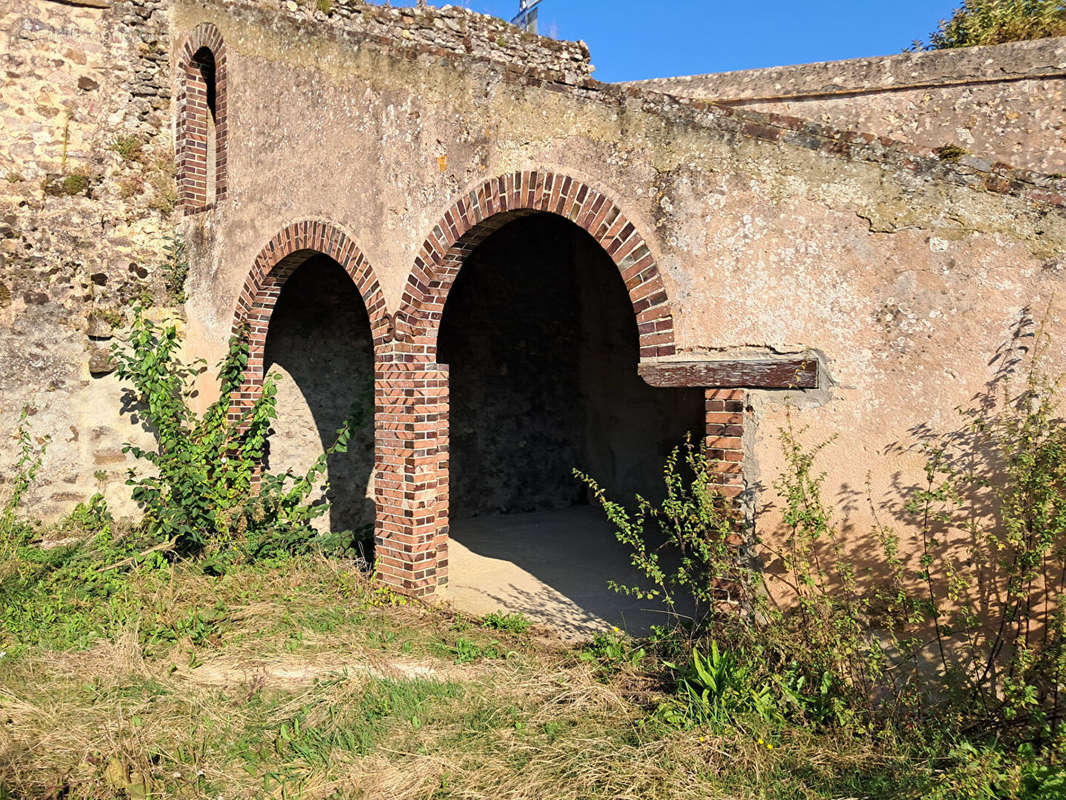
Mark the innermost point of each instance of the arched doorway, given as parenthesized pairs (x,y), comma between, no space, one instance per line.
(319,350)
(412,388)
(542,345)
(314,315)
(542,349)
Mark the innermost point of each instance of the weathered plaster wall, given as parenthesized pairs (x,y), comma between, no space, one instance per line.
(1002,102)
(81,226)
(771,234)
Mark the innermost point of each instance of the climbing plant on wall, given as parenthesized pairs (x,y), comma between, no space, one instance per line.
(203,491)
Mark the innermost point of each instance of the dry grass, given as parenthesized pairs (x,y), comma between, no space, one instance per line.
(308,683)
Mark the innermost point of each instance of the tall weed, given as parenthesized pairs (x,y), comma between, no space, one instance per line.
(962,629)
(686,545)
(14,532)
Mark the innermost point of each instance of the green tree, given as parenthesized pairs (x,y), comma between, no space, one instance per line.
(997,21)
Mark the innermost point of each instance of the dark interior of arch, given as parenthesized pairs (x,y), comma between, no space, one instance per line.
(541,342)
(205,62)
(319,346)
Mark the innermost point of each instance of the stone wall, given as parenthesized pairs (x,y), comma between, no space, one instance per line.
(86,192)
(450,29)
(1003,102)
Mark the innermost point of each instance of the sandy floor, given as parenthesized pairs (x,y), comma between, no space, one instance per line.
(553,566)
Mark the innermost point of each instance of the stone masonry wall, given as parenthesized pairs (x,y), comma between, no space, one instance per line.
(86,193)
(451,29)
(1003,102)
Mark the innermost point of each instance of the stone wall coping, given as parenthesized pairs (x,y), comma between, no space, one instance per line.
(963,169)
(1039,58)
(448,29)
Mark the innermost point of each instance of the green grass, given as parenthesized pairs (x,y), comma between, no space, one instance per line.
(129,147)
(302,679)
(515,623)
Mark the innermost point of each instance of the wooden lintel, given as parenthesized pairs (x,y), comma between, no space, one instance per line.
(783,373)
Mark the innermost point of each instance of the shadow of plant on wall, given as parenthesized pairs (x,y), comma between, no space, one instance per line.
(953,623)
(958,614)
(989,552)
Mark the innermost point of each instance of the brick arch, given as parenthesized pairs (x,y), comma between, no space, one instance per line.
(276,262)
(411,389)
(494,203)
(192,128)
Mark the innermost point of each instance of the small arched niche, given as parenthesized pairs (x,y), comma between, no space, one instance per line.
(202,121)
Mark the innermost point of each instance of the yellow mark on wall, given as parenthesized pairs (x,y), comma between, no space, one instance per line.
(442,162)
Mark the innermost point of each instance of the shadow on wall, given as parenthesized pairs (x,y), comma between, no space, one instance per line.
(990,493)
(319,347)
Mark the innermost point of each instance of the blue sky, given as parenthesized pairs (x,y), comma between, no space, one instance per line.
(630,40)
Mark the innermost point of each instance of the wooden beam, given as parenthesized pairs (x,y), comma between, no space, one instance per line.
(784,373)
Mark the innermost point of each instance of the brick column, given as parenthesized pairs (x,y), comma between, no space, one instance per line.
(411,473)
(725,410)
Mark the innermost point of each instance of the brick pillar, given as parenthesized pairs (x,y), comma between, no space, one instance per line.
(725,410)
(411,473)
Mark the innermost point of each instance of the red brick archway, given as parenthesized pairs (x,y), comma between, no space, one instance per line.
(203,53)
(412,389)
(493,204)
(282,255)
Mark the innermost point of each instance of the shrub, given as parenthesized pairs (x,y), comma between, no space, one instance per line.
(201,494)
(993,564)
(969,637)
(978,22)
(697,527)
